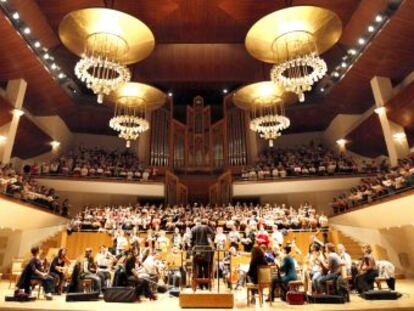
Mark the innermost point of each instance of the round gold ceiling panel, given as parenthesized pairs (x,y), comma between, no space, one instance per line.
(322,24)
(250,95)
(134,93)
(80,25)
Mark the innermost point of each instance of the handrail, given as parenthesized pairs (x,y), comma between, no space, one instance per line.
(301,177)
(95,178)
(31,204)
(377,199)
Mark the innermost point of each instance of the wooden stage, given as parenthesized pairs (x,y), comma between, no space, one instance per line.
(165,302)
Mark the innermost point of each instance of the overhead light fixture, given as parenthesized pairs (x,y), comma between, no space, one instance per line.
(266,102)
(343,65)
(107,41)
(46,56)
(287,39)
(53,66)
(18,112)
(341,142)
(380,110)
(170,94)
(27,30)
(371,28)
(379,18)
(61,75)
(37,44)
(322,89)
(400,136)
(225,91)
(335,74)
(132,102)
(361,41)
(16,16)
(352,51)
(55,144)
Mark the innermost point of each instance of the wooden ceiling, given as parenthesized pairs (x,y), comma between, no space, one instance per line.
(200,43)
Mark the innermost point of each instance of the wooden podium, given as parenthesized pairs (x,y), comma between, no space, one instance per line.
(206,299)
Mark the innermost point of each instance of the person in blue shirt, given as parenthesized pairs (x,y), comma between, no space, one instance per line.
(287,273)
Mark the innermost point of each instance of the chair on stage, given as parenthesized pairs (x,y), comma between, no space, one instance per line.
(16,270)
(264,280)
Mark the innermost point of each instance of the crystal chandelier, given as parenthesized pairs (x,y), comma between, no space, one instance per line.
(291,40)
(268,118)
(106,41)
(298,63)
(129,119)
(100,67)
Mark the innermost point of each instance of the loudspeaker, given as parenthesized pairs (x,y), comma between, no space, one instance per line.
(120,294)
(381,295)
(82,296)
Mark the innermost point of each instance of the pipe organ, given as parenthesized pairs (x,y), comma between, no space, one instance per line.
(198,145)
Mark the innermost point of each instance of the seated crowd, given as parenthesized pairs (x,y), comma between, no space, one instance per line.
(167,218)
(395,179)
(142,262)
(94,162)
(26,188)
(306,160)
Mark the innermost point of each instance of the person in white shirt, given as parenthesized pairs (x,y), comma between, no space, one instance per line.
(121,242)
(162,242)
(277,237)
(387,270)
(104,260)
(220,239)
(345,258)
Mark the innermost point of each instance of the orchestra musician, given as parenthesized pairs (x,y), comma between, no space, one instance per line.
(367,271)
(89,269)
(104,261)
(331,268)
(57,270)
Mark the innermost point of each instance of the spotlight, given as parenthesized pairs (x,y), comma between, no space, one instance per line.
(18,112)
(61,75)
(322,89)
(46,56)
(341,142)
(16,16)
(361,41)
(27,30)
(399,136)
(379,18)
(343,65)
(352,51)
(55,144)
(371,28)
(380,110)
(37,44)
(335,74)
(170,94)
(225,91)
(54,67)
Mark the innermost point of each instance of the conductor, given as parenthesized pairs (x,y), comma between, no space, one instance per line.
(201,240)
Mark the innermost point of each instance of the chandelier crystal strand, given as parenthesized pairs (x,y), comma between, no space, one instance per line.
(129,120)
(268,118)
(99,66)
(301,65)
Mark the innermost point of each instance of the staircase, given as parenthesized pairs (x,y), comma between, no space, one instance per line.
(352,246)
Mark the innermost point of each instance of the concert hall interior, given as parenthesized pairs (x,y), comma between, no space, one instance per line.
(215,154)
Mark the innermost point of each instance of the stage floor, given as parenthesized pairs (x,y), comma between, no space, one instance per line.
(165,302)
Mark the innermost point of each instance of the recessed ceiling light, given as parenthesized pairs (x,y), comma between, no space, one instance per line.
(16,16)
(27,30)
(46,56)
(37,44)
(335,74)
(352,51)
(61,75)
(379,18)
(371,28)
(322,89)
(361,41)
(170,94)
(225,91)
(343,65)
